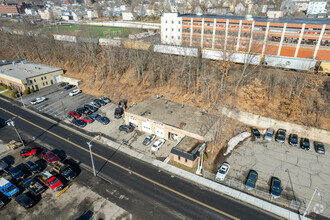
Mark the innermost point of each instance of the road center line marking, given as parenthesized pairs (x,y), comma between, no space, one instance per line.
(126,169)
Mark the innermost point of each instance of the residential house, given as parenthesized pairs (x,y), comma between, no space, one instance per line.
(274,14)
(317,6)
(91,14)
(240,9)
(129,16)
(11,10)
(31,11)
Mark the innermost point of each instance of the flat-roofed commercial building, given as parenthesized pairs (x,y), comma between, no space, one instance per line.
(291,37)
(188,125)
(21,74)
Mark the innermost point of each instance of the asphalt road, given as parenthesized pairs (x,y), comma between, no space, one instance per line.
(184,197)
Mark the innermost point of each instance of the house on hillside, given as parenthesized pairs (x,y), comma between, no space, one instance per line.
(240,9)
(129,16)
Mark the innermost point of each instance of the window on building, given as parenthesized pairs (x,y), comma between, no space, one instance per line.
(166,36)
(35,81)
(165,29)
(30,81)
(172,37)
(166,21)
(46,83)
(45,77)
(51,81)
(43,84)
(41,78)
(172,29)
(185,160)
(172,22)
(178,37)
(179,22)
(179,29)
(179,157)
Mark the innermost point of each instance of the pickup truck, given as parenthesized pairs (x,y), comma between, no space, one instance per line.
(34,187)
(38,100)
(64,170)
(50,157)
(28,152)
(51,181)
(8,188)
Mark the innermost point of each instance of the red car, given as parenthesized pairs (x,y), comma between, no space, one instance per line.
(87,119)
(50,157)
(28,152)
(74,114)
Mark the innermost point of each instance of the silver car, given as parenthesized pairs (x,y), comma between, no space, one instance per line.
(269,134)
(94,104)
(3,165)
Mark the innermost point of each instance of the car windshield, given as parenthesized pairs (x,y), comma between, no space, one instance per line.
(15,172)
(10,188)
(277,186)
(147,138)
(223,170)
(34,167)
(281,135)
(52,156)
(67,171)
(294,139)
(306,142)
(53,181)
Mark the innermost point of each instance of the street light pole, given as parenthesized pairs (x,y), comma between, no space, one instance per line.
(90,151)
(310,201)
(61,97)
(294,197)
(12,123)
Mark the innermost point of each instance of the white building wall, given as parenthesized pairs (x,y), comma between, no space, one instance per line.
(315,7)
(171,28)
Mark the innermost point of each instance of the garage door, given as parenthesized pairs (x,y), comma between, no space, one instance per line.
(160,132)
(146,127)
(134,121)
(56,79)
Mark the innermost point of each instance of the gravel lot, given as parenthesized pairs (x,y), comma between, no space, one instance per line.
(307,169)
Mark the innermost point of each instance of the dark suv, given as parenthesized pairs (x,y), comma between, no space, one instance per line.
(91,108)
(83,110)
(280,135)
(304,143)
(293,139)
(127,128)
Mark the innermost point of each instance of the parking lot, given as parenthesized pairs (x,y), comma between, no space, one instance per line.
(71,204)
(53,106)
(308,170)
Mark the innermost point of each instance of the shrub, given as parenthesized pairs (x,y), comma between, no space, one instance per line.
(9,88)
(14,94)
(31,90)
(26,91)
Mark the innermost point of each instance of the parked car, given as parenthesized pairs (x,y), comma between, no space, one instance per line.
(79,123)
(255,132)
(223,171)
(3,165)
(62,84)
(319,147)
(158,144)
(33,167)
(251,180)
(29,152)
(275,187)
(293,139)
(83,110)
(74,114)
(38,100)
(304,143)
(103,120)
(87,119)
(16,173)
(100,102)
(50,157)
(127,128)
(68,87)
(148,139)
(74,92)
(7,188)
(25,200)
(51,181)
(91,108)
(33,186)
(280,135)
(69,117)
(119,111)
(94,104)
(94,116)
(104,99)
(269,134)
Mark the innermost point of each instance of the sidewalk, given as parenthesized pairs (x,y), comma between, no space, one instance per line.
(206,182)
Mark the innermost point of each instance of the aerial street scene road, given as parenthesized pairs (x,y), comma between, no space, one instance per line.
(136,109)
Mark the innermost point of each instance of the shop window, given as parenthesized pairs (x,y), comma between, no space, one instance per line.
(185,160)
(179,157)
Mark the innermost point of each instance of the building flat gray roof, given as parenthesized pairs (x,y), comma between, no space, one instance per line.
(22,69)
(289,20)
(171,113)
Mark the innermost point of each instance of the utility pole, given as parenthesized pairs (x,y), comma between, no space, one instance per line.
(310,201)
(90,151)
(62,105)
(10,122)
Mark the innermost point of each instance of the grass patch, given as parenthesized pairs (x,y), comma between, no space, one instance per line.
(2,88)
(183,167)
(91,31)
(7,94)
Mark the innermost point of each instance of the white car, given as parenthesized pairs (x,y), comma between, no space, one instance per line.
(104,99)
(38,100)
(157,144)
(74,92)
(223,171)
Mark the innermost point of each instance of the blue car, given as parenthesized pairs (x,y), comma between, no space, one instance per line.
(275,187)
(94,116)
(16,173)
(7,188)
(251,180)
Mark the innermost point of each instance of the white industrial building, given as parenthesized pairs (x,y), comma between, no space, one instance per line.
(316,7)
(171,28)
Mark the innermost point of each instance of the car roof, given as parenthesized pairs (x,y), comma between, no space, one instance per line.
(30,162)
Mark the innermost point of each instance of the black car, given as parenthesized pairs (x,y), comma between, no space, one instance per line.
(293,139)
(91,108)
(83,110)
(25,200)
(62,84)
(3,165)
(16,173)
(275,187)
(68,87)
(255,132)
(33,167)
(319,147)
(100,102)
(127,128)
(103,120)
(280,135)
(68,173)
(79,123)
(304,143)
